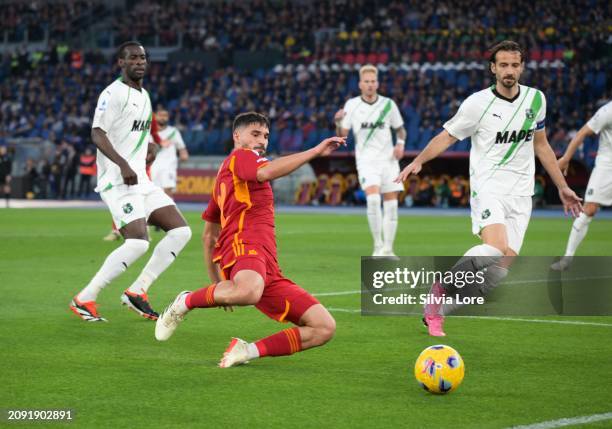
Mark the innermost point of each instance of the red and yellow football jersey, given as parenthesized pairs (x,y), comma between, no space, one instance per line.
(244,208)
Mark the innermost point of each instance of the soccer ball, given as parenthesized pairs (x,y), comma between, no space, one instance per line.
(439,369)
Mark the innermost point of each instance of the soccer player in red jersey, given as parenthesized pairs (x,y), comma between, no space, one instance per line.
(240,250)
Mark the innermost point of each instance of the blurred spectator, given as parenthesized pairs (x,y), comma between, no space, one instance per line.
(442,193)
(87,169)
(458,192)
(425,194)
(6,167)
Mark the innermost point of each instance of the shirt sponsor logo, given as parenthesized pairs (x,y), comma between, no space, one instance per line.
(140,125)
(372,125)
(514,136)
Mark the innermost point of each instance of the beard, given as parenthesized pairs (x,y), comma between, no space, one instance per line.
(508,82)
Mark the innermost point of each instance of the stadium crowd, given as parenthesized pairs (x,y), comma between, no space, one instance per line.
(432,55)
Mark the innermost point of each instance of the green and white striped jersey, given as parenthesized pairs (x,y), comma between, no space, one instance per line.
(124,113)
(166,157)
(601,123)
(502,159)
(371,124)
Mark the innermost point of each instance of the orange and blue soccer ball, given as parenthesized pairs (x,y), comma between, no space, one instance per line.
(439,369)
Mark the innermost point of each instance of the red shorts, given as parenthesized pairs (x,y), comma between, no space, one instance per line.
(282,299)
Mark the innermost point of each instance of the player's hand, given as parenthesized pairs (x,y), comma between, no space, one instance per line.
(227,308)
(398,151)
(329,145)
(339,116)
(571,201)
(129,176)
(563,165)
(413,168)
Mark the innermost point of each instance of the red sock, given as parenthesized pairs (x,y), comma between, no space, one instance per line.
(201,298)
(282,343)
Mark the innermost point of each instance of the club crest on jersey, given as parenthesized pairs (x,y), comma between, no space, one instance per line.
(127,208)
(529,114)
(140,125)
(486,214)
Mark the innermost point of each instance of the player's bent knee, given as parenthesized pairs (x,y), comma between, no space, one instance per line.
(182,233)
(138,246)
(327,331)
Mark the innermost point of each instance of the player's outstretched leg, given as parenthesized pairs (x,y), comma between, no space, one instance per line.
(316,328)
(84,304)
(245,289)
(580,227)
(177,236)
(476,258)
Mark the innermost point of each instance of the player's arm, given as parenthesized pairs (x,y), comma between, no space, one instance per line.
(98,136)
(338,117)
(282,166)
(400,143)
(571,202)
(210,235)
(435,147)
(576,142)
(183,155)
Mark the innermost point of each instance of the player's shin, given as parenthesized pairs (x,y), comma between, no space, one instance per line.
(115,264)
(282,343)
(389,225)
(580,227)
(163,255)
(375,221)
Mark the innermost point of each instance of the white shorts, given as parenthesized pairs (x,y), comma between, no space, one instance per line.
(513,212)
(599,189)
(128,203)
(379,173)
(164,177)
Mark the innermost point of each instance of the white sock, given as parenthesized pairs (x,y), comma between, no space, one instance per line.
(580,227)
(487,256)
(163,255)
(115,264)
(375,219)
(389,224)
(252,351)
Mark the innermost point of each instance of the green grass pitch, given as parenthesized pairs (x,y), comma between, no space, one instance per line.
(116,375)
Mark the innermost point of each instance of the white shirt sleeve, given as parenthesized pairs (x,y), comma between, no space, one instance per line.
(464,123)
(396,116)
(106,111)
(348,110)
(541,118)
(601,119)
(178,140)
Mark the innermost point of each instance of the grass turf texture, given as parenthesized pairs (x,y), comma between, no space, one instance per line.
(117,375)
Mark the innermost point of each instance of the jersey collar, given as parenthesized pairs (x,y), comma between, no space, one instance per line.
(367,102)
(509,100)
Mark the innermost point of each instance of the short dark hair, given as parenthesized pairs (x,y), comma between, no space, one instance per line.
(248,118)
(506,45)
(121,50)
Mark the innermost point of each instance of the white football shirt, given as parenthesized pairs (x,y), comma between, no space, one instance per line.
(166,156)
(502,158)
(371,124)
(601,123)
(124,113)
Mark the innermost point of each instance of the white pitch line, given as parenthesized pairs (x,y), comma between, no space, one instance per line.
(513,282)
(552,424)
(509,319)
